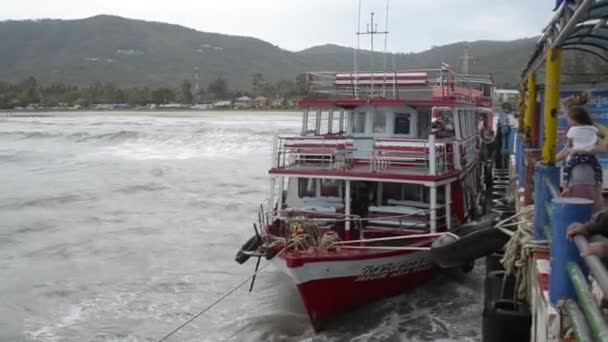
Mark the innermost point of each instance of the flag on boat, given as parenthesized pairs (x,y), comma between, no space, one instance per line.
(558,3)
(445,66)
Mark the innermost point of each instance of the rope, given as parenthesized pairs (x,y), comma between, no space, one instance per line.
(210,306)
(518,250)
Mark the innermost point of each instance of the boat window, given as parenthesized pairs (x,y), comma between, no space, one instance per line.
(307,187)
(330,188)
(402,123)
(359,122)
(380,122)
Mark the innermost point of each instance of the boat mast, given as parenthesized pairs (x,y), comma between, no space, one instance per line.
(465,61)
(372,30)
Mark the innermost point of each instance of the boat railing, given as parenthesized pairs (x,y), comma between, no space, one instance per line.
(334,153)
(420,83)
(322,218)
(584,310)
(430,156)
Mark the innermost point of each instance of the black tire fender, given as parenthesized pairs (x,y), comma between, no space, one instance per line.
(449,252)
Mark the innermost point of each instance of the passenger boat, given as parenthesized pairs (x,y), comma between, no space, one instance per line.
(385,164)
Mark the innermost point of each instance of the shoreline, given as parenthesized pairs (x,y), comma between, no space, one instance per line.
(148,112)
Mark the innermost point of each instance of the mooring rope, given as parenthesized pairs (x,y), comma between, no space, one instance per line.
(210,306)
(518,250)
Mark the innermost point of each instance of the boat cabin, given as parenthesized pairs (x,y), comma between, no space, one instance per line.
(393,163)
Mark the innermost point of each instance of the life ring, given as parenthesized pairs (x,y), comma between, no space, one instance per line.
(474,242)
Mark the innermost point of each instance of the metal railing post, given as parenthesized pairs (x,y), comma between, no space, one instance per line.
(596,267)
(587,303)
(432,155)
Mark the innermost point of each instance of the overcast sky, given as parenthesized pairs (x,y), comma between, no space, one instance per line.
(415,25)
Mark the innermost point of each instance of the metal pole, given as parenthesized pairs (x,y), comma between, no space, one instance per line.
(596,267)
(385,49)
(552,75)
(432,156)
(371,55)
(563,34)
(587,303)
(356,78)
(347,232)
(448,206)
(330,121)
(579,323)
(433,209)
(530,107)
(576,17)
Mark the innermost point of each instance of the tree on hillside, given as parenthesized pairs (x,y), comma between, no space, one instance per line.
(301,86)
(219,88)
(257,83)
(162,95)
(186,91)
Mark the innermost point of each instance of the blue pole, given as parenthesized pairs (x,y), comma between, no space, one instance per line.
(520,160)
(542,196)
(565,211)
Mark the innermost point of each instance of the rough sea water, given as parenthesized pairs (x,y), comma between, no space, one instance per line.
(119,228)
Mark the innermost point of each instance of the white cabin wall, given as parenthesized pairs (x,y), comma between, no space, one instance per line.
(293,200)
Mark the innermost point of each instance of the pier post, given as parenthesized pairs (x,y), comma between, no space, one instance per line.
(564,212)
(542,196)
(552,75)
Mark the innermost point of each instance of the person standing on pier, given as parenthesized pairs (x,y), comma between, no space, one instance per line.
(582,170)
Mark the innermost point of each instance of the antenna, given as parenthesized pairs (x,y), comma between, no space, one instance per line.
(465,61)
(385,49)
(372,30)
(357,52)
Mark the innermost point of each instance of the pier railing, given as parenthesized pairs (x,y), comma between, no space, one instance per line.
(572,277)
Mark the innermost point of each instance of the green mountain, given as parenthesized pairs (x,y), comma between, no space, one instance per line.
(136,53)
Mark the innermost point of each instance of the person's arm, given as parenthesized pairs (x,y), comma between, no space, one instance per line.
(599,224)
(600,147)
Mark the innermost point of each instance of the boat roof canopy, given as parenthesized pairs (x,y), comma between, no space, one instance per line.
(579,25)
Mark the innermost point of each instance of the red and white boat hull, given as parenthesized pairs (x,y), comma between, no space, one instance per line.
(330,285)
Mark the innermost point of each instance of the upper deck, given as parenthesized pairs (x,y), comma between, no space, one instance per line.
(416,87)
(416,126)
